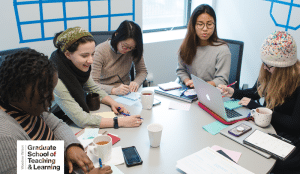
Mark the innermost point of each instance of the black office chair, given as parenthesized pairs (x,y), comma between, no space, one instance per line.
(102,36)
(236,48)
(4,53)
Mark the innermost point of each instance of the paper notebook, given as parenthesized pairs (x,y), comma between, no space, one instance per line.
(209,161)
(169,86)
(176,94)
(232,104)
(269,144)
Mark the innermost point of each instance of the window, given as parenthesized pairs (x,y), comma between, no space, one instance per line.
(161,15)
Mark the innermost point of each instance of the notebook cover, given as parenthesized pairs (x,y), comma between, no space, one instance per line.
(115,139)
(267,151)
(176,95)
(217,117)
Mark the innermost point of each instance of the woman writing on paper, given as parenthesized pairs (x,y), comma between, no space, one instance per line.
(279,84)
(73,58)
(113,60)
(27,80)
(202,53)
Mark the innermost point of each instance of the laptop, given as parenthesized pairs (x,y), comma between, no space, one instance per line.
(211,97)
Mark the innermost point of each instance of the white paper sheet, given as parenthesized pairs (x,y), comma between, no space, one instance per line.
(209,161)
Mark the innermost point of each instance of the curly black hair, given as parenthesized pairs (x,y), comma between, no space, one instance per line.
(22,70)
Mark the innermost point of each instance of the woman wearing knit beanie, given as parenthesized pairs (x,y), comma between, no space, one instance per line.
(279,84)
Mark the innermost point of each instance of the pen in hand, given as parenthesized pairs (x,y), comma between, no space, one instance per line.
(232,84)
(126,114)
(121,80)
(100,162)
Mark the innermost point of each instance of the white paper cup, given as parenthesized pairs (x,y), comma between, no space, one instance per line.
(147,98)
(102,151)
(262,116)
(154,131)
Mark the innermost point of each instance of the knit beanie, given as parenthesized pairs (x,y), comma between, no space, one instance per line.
(279,50)
(70,36)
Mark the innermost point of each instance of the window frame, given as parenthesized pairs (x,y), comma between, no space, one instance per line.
(187,14)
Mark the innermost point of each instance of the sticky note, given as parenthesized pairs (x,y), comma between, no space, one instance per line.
(214,127)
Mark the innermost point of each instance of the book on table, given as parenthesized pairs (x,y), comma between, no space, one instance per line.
(269,144)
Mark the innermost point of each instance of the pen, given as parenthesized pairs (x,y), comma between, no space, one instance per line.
(281,138)
(121,79)
(231,84)
(126,114)
(100,162)
(183,92)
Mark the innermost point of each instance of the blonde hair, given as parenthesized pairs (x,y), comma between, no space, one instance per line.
(279,85)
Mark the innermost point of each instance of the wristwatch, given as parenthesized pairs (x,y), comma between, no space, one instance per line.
(116,125)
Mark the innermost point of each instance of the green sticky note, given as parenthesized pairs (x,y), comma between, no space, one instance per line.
(214,127)
(232,104)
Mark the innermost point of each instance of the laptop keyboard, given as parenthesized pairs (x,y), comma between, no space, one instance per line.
(232,113)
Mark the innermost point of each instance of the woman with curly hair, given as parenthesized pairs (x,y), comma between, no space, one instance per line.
(73,58)
(27,80)
(202,53)
(279,84)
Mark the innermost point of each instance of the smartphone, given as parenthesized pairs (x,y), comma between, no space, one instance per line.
(131,156)
(239,130)
(156,102)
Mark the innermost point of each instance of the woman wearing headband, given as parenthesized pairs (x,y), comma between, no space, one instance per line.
(73,58)
(279,84)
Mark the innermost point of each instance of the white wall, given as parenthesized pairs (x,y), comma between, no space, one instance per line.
(249,21)
(9,35)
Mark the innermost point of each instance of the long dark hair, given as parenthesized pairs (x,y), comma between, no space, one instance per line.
(188,48)
(24,69)
(126,30)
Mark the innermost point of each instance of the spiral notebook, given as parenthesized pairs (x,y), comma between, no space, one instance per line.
(269,144)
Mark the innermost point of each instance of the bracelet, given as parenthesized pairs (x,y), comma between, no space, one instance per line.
(116,125)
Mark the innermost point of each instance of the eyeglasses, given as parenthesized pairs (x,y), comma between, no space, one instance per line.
(269,67)
(209,25)
(124,47)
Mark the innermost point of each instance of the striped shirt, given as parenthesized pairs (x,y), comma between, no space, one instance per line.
(34,126)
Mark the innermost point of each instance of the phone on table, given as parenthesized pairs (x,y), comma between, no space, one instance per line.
(131,156)
(240,130)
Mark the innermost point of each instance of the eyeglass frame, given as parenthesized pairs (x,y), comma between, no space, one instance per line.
(205,24)
(126,48)
(269,67)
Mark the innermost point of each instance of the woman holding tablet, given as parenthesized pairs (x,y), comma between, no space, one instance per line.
(113,60)
(73,58)
(202,53)
(279,84)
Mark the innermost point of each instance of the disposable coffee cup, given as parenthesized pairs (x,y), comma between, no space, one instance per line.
(147,97)
(102,147)
(155,131)
(262,116)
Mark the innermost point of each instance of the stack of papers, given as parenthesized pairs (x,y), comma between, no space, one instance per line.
(209,161)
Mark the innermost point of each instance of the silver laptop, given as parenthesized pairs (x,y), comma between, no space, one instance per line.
(211,97)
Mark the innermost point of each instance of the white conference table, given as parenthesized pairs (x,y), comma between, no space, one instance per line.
(182,135)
